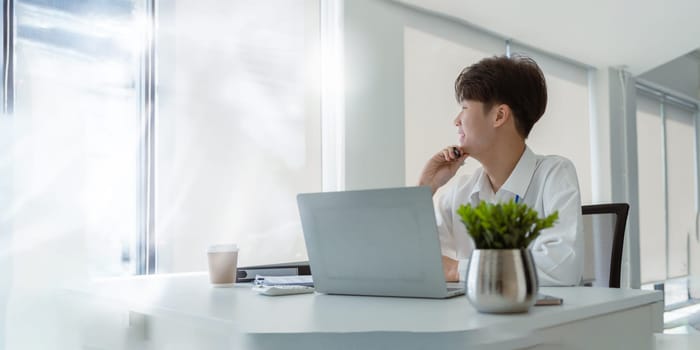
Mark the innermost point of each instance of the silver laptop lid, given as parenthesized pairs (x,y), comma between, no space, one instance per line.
(373,242)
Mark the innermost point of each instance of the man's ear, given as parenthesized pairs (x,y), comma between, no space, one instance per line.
(503,115)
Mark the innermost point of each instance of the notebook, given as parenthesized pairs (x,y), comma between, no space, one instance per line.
(381,242)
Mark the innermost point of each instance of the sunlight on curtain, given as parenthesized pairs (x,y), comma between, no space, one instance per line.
(70,162)
(238,131)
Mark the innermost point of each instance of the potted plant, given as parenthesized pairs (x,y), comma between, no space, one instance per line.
(501,277)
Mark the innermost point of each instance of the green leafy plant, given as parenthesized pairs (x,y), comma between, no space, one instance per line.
(504,225)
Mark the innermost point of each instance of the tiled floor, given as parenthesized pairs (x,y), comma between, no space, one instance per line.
(676,341)
(682,314)
(688,315)
(685,329)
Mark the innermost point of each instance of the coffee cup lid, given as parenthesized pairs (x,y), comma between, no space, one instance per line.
(220,248)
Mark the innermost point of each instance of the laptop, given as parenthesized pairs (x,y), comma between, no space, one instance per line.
(380,242)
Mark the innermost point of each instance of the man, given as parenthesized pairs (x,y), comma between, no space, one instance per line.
(502,98)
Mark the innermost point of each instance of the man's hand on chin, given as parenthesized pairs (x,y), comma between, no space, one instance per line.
(450,268)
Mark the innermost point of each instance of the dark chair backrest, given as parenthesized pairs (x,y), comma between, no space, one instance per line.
(604,234)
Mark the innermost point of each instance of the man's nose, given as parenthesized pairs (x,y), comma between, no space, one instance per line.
(457,122)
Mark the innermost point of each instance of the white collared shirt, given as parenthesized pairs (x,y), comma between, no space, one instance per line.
(546,184)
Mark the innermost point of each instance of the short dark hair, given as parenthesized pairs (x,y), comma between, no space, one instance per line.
(516,81)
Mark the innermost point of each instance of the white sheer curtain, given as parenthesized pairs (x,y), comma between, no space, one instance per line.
(667,197)
(680,150)
(238,130)
(69,161)
(652,211)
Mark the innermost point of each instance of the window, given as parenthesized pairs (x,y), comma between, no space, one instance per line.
(238,129)
(652,211)
(667,195)
(75,135)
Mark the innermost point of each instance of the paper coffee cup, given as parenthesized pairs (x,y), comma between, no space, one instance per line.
(223,261)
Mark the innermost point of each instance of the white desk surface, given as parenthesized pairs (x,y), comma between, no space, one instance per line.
(190,297)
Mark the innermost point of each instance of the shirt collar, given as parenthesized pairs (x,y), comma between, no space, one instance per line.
(482,184)
(518,181)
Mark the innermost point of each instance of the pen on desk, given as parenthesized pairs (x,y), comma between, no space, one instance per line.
(517,199)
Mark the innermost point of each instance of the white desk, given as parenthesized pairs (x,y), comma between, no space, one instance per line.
(185,312)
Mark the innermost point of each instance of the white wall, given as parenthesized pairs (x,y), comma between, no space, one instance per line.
(387,101)
(431,64)
(401,57)
(681,75)
(564,129)
(374,105)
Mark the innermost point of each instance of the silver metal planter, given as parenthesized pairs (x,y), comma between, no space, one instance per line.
(502,280)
